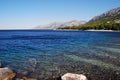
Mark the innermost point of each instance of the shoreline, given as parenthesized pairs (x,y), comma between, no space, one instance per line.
(101,30)
(59,30)
(91,30)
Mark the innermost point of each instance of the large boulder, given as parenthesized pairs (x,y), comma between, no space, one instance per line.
(71,76)
(6,74)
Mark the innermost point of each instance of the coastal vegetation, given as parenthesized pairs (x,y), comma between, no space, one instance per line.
(98,25)
(109,20)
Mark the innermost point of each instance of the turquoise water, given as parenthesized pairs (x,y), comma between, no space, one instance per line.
(50,52)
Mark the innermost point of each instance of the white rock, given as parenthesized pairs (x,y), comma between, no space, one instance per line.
(6,74)
(71,76)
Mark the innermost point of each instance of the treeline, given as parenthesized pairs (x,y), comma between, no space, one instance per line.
(107,23)
(96,26)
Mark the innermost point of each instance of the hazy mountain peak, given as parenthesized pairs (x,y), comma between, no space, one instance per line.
(56,25)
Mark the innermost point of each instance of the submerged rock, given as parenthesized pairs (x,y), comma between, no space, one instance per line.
(25,78)
(71,76)
(6,74)
(0,65)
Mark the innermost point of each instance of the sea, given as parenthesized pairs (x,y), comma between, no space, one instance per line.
(42,54)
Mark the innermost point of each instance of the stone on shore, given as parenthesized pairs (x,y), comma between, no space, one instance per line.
(6,74)
(71,76)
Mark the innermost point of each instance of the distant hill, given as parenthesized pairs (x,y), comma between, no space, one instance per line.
(56,25)
(109,20)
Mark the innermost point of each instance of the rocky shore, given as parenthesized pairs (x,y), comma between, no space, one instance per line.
(7,74)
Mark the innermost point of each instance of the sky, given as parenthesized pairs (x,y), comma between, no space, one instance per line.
(27,14)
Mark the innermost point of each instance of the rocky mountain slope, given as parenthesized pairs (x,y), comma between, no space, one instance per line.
(56,25)
(113,13)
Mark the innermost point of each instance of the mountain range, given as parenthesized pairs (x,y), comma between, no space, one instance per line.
(56,25)
(109,20)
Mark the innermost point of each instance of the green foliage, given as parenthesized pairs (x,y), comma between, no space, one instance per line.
(103,23)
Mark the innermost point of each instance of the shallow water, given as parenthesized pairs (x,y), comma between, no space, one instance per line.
(52,52)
